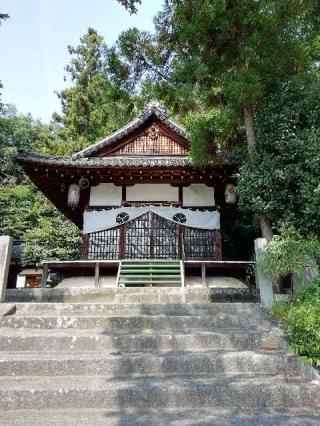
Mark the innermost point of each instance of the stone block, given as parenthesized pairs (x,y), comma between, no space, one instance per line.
(263,283)
(5,256)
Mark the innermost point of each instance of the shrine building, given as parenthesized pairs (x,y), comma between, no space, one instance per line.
(137,197)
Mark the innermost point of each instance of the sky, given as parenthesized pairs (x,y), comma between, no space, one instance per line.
(33,44)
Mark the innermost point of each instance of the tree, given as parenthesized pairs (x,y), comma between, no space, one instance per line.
(92,107)
(3,17)
(130,5)
(233,53)
(18,132)
(27,215)
(281,177)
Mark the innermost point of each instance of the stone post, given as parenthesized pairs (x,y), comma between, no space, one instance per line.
(263,283)
(5,256)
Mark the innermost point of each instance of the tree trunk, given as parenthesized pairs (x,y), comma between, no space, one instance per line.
(248,119)
(266,229)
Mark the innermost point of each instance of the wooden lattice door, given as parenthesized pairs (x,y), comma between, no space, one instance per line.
(151,237)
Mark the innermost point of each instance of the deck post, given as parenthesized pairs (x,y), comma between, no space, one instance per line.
(85,246)
(204,274)
(96,275)
(122,242)
(44,277)
(182,271)
(217,244)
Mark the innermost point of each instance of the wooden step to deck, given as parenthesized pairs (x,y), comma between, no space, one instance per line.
(150,272)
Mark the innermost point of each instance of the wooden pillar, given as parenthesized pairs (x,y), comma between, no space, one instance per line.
(122,241)
(204,274)
(180,195)
(96,274)
(124,194)
(85,246)
(181,242)
(151,234)
(217,244)
(45,270)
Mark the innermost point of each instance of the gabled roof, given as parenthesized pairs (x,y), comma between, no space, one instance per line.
(152,110)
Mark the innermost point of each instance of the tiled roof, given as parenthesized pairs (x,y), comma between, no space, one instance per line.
(93,162)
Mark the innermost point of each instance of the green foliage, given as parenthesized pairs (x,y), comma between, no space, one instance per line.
(289,252)
(18,132)
(208,60)
(301,321)
(281,177)
(213,129)
(130,5)
(19,209)
(26,214)
(92,107)
(54,238)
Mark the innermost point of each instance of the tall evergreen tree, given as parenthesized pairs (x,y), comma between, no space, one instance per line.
(93,106)
(229,54)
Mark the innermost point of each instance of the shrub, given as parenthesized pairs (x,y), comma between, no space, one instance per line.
(301,321)
(290,253)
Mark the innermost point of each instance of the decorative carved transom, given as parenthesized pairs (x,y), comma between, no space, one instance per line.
(152,142)
(153,132)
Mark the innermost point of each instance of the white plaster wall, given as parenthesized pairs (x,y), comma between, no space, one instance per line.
(105,194)
(198,195)
(152,192)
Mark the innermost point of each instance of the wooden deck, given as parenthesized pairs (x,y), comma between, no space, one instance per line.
(97,265)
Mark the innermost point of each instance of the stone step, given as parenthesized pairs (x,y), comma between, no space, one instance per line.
(123,324)
(280,393)
(141,309)
(117,364)
(182,417)
(118,295)
(189,340)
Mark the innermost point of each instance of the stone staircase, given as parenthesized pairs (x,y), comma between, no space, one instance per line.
(155,272)
(150,364)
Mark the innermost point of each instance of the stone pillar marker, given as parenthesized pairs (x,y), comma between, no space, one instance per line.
(5,256)
(264,283)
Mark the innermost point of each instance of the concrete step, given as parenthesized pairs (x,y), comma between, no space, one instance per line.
(182,417)
(280,393)
(117,364)
(252,309)
(136,295)
(124,324)
(187,340)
